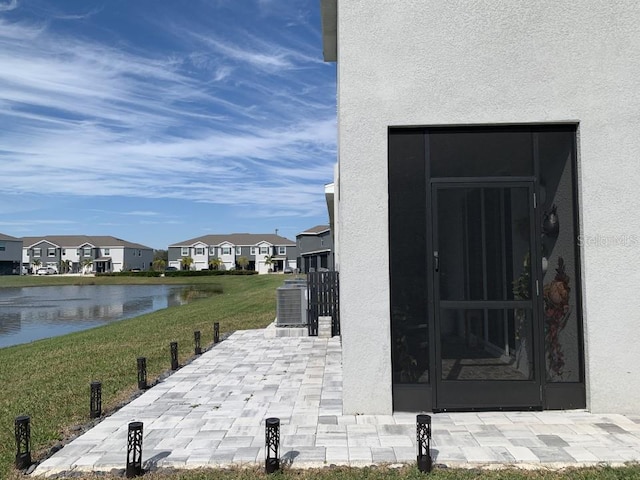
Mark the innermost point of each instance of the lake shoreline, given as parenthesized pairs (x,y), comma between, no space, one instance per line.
(45,311)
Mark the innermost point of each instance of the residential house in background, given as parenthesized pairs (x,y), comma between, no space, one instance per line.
(10,254)
(83,253)
(263,252)
(315,249)
(489,164)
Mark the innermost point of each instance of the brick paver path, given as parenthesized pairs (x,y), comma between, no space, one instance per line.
(212,411)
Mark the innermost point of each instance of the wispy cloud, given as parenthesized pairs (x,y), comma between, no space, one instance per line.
(37,222)
(216,121)
(78,16)
(274,60)
(141,213)
(6,6)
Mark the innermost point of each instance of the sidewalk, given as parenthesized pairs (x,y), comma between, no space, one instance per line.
(211,413)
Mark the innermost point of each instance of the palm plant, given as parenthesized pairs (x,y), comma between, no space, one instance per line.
(159,264)
(242,262)
(268,260)
(86,265)
(215,263)
(186,262)
(36,264)
(65,266)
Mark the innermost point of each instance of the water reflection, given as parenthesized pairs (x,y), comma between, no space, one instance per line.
(33,313)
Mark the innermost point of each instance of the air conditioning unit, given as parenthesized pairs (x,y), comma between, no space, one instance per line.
(292,306)
(295,283)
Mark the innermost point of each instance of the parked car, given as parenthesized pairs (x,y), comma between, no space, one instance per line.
(46,271)
(287,270)
(171,269)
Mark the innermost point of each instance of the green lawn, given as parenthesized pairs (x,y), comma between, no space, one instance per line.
(385,473)
(49,379)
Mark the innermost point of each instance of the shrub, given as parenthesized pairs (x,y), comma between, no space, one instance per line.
(207,273)
(129,274)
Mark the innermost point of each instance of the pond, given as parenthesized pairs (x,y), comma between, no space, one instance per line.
(33,313)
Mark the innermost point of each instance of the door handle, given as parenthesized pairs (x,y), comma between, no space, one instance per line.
(436,261)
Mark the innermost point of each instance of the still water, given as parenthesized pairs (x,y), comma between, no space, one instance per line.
(32,313)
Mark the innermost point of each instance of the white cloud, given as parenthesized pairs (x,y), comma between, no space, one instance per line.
(8,5)
(37,222)
(262,60)
(141,213)
(222,73)
(91,120)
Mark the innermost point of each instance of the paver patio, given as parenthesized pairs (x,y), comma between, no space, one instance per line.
(212,412)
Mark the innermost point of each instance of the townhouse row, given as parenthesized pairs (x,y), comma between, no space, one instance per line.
(312,250)
(263,253)
(83,253)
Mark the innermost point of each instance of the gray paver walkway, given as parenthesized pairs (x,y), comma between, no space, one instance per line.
(212,411)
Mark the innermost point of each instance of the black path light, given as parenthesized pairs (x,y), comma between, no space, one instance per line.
(196,340)
(23,441)
(142,373)
(95,403)
(423,432)
(174,355)
(134,450)
(272,444)
(216,332)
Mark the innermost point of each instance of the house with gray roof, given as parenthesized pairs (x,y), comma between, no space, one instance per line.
(263,251)
(85,253)
(10,252)
(315,248)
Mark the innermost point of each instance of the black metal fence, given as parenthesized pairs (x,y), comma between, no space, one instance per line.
(323,288)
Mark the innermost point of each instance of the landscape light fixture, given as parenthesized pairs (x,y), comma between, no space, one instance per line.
(196,339)
(134,450)
(272,444)
(423,432)
(95,402)
(142,373)
(23,442)
(216,332)
(174,355)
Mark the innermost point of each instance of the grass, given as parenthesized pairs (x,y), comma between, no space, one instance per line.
(49,280)
(385,473)
(49,379)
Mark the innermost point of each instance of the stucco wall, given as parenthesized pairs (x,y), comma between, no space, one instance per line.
(12,251)
(428,62)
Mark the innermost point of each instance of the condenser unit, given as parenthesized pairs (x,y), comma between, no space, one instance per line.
(292,306)
(295,283)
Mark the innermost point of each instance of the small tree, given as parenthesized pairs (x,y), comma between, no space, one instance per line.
(215,263)
(242,262)
(159,264)
(186,262)
(86,265)
(268,260)
(65,266)
(36,264)
(161,255)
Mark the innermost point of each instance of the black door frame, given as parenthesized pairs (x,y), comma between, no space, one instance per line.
(450,395)
(408,144)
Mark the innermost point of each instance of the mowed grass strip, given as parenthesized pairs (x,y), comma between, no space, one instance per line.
(49,379)
(385,473)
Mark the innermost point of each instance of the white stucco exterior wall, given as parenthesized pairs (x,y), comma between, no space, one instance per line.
(428,62)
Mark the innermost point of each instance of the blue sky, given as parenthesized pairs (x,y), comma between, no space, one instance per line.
(161,120)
